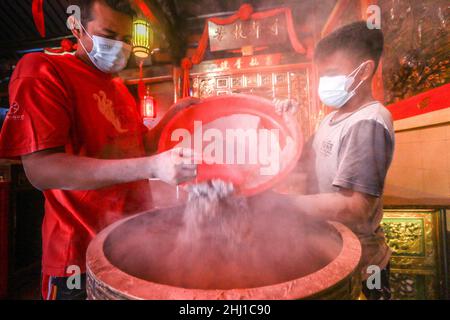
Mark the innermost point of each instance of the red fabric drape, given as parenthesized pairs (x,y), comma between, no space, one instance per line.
(245,13)
(37,9)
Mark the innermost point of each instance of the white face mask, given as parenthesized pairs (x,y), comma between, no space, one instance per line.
(333,91)
(109,56)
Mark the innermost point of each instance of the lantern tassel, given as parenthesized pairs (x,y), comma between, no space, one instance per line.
(141,86)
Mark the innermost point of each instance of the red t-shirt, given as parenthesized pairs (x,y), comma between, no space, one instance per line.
(61,101)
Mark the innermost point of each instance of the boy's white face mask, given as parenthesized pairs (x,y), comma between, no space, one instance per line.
(109,56)
(333,91)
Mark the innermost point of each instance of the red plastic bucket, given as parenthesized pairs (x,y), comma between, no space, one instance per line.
(236,109)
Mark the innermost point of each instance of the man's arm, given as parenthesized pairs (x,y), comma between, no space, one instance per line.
(151,139)
(55,169)
(345,206)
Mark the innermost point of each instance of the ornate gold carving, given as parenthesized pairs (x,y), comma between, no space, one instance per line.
(404,237)
(403,286)
(270,83)
(207,87)
(413,285)
(412,235)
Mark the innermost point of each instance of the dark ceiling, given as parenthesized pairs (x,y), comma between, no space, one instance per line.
(183,17)
(16,19)
(178,20)
(17,27)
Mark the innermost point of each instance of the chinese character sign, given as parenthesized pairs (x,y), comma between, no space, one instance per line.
(239,34)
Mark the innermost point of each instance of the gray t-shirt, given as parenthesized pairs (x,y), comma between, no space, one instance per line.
(355,153)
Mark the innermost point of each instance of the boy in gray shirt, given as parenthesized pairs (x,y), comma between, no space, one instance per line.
(346,161)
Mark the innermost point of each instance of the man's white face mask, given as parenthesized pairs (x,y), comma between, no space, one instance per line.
(333,91)
(109,56)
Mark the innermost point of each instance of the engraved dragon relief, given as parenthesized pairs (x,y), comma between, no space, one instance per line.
(105,106)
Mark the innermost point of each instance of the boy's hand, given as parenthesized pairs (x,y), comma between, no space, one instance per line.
(286,106)
(185,103)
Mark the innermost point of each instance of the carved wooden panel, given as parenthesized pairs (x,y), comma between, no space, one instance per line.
(415,239)
(282,82)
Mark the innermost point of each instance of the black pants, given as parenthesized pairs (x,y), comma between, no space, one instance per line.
(384,293)
(56,288)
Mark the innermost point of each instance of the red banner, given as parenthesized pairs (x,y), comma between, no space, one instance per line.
(244,13)
(432,100)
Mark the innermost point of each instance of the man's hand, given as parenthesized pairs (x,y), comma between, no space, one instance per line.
(175,166)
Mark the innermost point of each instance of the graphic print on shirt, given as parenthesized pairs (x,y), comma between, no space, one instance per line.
(15,112)
(105,106)
(326,148)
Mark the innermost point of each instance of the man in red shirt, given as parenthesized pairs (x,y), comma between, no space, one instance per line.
(81,139)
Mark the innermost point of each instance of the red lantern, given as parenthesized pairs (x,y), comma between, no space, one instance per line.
(148,106)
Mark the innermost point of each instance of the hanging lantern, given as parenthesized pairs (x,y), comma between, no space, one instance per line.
(142,38)
(148,105)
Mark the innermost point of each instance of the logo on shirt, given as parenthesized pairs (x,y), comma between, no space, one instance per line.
(105,106)
(15,112)
(326,148)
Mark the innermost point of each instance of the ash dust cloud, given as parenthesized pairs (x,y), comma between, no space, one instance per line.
(218,239)
(223,241)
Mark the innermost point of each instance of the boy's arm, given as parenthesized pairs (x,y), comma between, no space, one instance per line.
(346,206)
(365,155)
